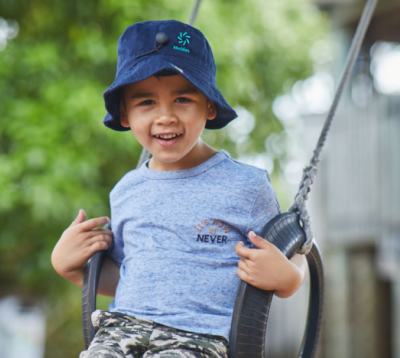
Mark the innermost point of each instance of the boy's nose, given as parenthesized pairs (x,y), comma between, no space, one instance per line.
(166,116)
(166,119)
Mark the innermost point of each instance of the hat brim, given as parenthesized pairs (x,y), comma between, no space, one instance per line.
(154,64)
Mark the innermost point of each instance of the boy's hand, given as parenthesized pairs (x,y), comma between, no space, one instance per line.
(77,244)
(268,268)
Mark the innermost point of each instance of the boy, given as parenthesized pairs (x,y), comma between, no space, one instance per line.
(180,222)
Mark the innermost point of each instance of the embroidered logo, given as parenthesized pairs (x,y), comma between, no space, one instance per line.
(212,231)
(183,40)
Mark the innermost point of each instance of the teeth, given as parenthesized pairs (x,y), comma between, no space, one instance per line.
(166,136)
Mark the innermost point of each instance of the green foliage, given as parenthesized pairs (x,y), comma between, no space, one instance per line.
(55,154)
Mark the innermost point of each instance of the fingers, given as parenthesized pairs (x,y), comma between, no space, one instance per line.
(100,231)
(97,246)
(93,223)
(243,251)
(258,241)
(80,218)
(88,233)
(102,236)
(250,253)
(242,264)
(244,276)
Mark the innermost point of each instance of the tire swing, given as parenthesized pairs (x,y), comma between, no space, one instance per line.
(290,232)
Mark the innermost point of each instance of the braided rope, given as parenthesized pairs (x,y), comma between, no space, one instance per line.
(194,13)
(144,155)
(310,172)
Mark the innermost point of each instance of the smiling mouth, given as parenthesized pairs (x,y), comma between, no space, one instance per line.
(167,136)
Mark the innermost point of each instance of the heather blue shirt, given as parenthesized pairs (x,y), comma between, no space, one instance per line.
(174,239)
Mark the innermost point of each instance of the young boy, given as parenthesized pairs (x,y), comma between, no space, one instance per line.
(183,223)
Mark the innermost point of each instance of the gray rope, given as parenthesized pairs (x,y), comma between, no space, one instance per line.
(310,172)
(144,155)
(193,15)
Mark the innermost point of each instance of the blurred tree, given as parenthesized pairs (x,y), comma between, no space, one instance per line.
(55,154)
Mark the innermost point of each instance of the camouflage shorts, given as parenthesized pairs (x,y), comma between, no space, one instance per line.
(119,335)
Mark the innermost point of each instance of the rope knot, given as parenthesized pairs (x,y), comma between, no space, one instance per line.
(307,246)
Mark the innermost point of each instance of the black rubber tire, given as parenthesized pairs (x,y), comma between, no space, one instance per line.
(89,292)
(252,306)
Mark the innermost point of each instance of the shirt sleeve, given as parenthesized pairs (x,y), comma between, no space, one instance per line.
(265,207)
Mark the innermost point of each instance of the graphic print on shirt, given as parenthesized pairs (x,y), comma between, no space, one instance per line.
(212,231)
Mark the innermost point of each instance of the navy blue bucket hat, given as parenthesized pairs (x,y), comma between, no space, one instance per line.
(149,47)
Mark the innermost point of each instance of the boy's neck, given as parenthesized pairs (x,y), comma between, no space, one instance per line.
(198,155)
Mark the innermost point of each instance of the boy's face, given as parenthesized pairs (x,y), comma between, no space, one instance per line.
(167,116)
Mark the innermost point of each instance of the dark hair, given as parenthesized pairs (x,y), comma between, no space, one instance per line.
(165,73)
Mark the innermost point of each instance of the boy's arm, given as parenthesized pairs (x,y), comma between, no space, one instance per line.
(109,277)
(77,244)
(267,268)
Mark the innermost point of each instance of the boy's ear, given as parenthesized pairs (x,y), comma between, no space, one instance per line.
(211,110)
(123,116)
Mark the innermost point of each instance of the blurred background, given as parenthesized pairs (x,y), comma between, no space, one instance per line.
(278,64)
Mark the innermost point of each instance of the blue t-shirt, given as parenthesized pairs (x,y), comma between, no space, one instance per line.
(174,239)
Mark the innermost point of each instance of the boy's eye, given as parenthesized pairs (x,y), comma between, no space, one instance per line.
(183,100)
(147,102)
